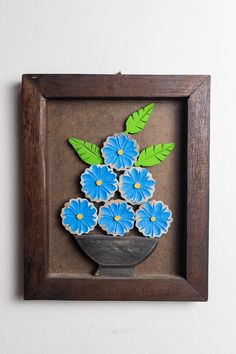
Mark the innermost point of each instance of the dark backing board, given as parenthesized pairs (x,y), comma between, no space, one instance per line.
(94,120)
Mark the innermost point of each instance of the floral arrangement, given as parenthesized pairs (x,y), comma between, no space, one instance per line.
(135,183)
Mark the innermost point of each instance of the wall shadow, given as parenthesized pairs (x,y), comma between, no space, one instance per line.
(18,192)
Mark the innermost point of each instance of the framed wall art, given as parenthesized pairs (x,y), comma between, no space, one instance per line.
(116,182)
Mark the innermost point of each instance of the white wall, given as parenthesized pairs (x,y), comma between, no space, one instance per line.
(149,36)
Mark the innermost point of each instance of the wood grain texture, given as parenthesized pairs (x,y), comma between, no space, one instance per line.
(198,187)
(34,127)
(39,283)
(116,86)
(163,288)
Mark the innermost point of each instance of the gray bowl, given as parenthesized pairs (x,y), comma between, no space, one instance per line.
(116,256)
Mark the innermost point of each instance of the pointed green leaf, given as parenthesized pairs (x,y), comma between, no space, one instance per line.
(137,120)
(154,154)
(88,152)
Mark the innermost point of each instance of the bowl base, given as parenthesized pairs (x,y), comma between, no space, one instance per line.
(115,271)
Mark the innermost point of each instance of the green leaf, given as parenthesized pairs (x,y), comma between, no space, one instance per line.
(137,120)
(154,154)
(88,152)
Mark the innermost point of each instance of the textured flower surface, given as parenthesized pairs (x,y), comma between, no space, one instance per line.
(99,183)
(136,185)
(120,151)
(116,217)
(79,216)
(153,218)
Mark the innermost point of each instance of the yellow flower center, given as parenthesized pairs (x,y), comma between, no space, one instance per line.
(79,216)
(116,218)
(137,185)
(98,182)
(120,152)
(152,218)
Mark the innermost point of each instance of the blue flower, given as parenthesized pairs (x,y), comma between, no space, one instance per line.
(120,151)
(79,216)
(153,218)
(136,185)
(116,217)
(99,183)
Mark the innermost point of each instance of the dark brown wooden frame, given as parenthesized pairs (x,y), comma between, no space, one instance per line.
(38,283)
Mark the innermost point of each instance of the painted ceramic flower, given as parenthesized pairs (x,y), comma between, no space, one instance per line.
(153,218)
(99,183)
(120,151)
(136,185)
(116,217)
(79,216)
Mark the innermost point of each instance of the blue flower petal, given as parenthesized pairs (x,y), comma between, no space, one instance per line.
(95,170)
(122,141)
(129,194)
(148,208)
(106,219)
(160,223)
(102,193)
(138,197)
(126,179)
(148,184)
(93,194)
(131,153)
(114,208)
(79,227)
(130,146)
(127,223)
(164,215)
(109,153)
(69,216)
(112,141)
(84,226)
(69,220)
(109,187)
(83,206)
(120,229)
(89,221)
(119,142)
(156,230)
(143,213)
(68,211)
(126,161)
(148,229)
(123,209)
(74,205)
(88,187)
(108,183)
(158,207)
(88,177)
(74,226)
(111,228)
(108,222)
(119,163)
(142,223)
(133,174)
(146,193)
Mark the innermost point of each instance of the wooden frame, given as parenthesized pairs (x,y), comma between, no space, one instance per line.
(38,283)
